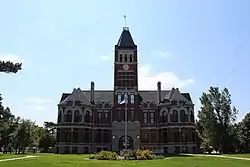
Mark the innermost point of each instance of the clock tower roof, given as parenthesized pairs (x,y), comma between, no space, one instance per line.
(125,41)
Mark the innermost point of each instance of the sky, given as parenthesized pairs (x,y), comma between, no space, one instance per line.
(66,44)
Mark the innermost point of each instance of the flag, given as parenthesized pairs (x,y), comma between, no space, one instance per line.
(125,100)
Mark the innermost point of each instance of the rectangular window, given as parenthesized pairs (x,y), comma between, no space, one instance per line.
(106,115)
(120,57)
(67,150)
(74,150)
(152,119)
(177,150)
(153,137)
(132,116)
(119,98)
(99,118)
(86,150)
(145,116)
(194,149)
(86,135)
(132,98)
(145,137)
(165,150)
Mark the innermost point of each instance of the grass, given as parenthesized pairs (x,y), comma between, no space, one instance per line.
(53,160)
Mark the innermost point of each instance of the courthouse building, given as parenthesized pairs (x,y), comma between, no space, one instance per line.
(94,120)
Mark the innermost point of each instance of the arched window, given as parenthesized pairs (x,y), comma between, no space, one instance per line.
(126,58)
(145,105)
(152,105)
(182,114)
(107,105)
(165,117)
(69,116)
(175,115)
(87,117)
(120,57)
(130,58)
(119,97)
(99,119)
(77,116)
(99,105)
(132,98)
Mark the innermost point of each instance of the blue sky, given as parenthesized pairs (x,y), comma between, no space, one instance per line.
(65,44)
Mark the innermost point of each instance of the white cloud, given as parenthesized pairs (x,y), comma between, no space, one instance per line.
(148,80)
(37,100)
(162,54)
(10,57)
(34,107)
(36,103)
(105,57)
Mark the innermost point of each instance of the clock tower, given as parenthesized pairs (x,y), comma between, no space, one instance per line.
(125,77)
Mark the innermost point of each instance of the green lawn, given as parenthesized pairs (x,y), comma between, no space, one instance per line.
(52,160)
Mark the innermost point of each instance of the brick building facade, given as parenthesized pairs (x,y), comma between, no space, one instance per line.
(93,120)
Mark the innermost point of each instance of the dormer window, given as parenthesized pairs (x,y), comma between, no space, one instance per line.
(132,98)
(119,97)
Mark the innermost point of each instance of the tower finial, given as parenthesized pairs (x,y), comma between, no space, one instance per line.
(125,20)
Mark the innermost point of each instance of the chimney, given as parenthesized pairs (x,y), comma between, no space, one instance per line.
(159,92)
(92,91)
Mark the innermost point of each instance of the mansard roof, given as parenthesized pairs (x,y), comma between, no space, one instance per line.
(144,95)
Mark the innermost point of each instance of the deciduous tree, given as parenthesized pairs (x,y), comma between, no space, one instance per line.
(216,118)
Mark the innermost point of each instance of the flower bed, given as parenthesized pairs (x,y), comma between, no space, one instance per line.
(128,155)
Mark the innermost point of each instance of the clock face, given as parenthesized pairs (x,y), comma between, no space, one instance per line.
(125,67)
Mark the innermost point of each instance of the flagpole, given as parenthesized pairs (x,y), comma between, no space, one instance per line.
(126,120)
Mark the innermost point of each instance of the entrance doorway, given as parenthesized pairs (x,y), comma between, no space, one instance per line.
(123,143)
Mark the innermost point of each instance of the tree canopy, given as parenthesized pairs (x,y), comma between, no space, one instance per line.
(21,134)
(216,123)
(10,67)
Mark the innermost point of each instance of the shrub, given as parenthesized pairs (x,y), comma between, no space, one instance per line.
(92,157)
(143,154)
(154,157)
(130,155)
(106,155)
